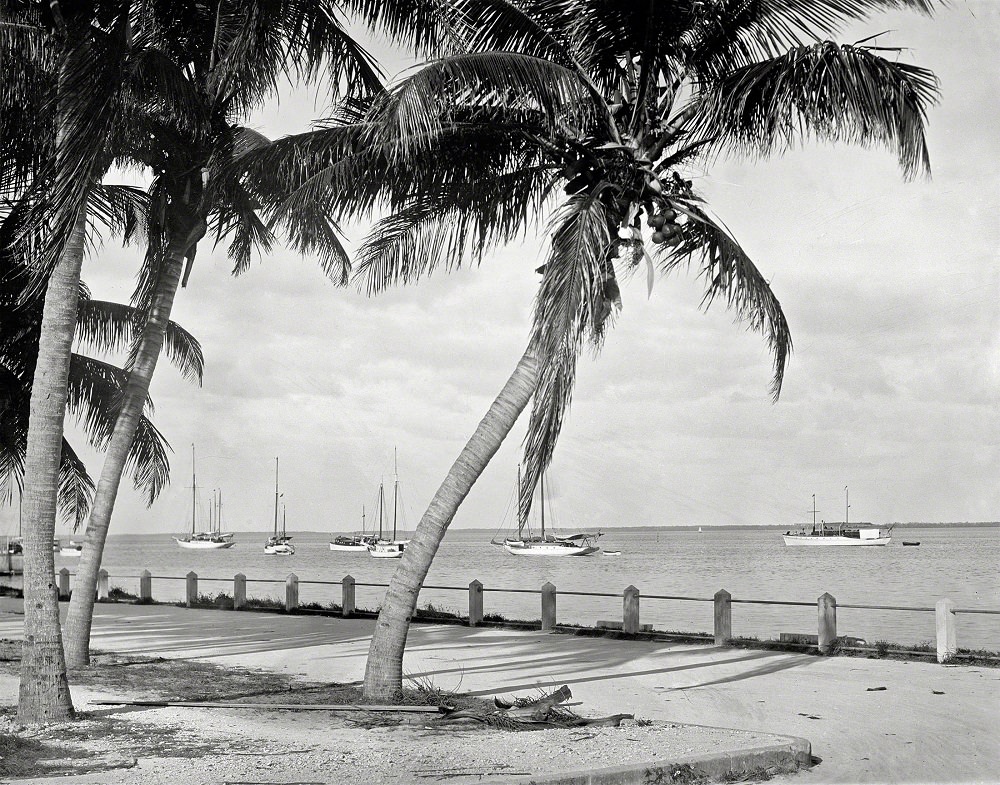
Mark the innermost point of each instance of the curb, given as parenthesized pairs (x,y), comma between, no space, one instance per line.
(791,755)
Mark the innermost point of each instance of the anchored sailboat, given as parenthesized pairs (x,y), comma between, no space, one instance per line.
(546,544)
(214,539)
(380,547)
(279,543)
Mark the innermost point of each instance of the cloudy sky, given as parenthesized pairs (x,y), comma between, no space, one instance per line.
(892,290)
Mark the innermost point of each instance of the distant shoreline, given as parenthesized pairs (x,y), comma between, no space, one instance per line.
(705,528)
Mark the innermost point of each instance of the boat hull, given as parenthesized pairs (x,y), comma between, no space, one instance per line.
(834,540)
(204,545)
(279,550)
(515,548)
(349,548)
(386,550)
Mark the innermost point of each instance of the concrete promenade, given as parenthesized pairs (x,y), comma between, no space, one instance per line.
(930,723)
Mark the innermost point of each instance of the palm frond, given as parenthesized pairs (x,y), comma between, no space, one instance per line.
(735,33)
(829,92)
(148,462)
(731,275)
(75,492)
(571,306)
(123,209)
(417,110)
(184,351)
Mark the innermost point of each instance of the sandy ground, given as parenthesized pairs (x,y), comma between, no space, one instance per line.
(930,723)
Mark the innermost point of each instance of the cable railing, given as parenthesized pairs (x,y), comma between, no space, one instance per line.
(825,640)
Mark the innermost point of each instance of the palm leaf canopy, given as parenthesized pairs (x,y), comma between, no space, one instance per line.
(584,116)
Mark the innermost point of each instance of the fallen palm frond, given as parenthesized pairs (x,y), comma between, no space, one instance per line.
(548,711)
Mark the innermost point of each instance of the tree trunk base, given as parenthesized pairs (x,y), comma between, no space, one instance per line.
(44,695)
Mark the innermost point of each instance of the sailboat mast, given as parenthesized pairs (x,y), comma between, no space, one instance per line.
(395,491)
(194,486)
(814,513)
(520,507)
(847,507)
(218,512)
(542,500)
(381,508)
(275,496)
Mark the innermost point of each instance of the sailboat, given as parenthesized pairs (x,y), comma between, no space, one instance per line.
(213,539)
(381,548)
(353,543)
(279,543)
(546,544)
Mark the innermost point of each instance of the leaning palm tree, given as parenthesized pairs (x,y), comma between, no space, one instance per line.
(63,69)
(584,116)
(228,58)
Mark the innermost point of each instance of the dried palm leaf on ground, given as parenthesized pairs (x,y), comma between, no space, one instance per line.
(535,714)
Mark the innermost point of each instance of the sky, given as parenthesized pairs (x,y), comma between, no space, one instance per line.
(890,402)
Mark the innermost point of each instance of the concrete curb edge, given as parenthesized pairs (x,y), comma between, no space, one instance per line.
(791,755)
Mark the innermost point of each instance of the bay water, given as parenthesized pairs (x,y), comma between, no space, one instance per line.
(961,563)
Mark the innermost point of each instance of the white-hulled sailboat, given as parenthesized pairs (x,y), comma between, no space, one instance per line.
(546,544)
(212,540)
(380,547)
(279,543)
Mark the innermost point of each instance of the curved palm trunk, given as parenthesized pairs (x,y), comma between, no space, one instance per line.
(81,609)
(384,671)
(44,692)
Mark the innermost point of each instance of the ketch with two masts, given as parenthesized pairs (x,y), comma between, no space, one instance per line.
(279,543)
(382,547)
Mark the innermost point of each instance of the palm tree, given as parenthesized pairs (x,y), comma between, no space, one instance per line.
(589,113)
(63,65)
(228,59)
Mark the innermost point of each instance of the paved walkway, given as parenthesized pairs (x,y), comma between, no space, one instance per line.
(930,723)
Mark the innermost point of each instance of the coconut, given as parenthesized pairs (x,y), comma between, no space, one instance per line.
(659,237)
(656,220)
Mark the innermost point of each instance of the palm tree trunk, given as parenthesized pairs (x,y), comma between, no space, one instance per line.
(81,608)
(384,671)
(44,692)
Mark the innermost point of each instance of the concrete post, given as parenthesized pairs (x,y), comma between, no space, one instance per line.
(192,588)
(827,607)
(630,620)
(63,583)
(723,617)
(944,616)
(102,584)
(145,586)
(347,598)
(548,607)
(292,592)
(239,591)
(475,603)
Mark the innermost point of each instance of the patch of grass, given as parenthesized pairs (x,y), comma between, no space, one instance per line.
(118,594)
(429,611)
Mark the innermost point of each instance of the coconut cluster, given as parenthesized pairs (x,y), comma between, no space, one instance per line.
(664,224)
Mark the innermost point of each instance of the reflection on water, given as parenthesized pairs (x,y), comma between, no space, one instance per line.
(960,563)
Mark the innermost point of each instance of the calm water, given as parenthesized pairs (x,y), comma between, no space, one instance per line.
(960,563)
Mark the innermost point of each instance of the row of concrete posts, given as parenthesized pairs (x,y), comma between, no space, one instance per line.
(826,607)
